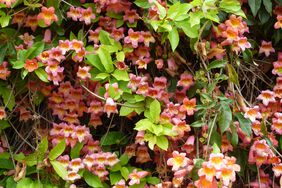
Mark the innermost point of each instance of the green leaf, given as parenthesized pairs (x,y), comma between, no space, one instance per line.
(6,164)
(162,142)
(57,150)
(155,110)
(198,164)
(215,148)
(25,183)
(225,117)
(232,74)
(234,135)
(123,159)
(43,146)
(173,38)
(8,97)
(120,56)
(106,59)
(92,180)
(59,169)
(4,124)
(255,6)
(124,172)
(3,50)
(124,110)
(102,76)
(195,18)
(75,151)
(115,177)
(151,139)
(197,124)
(142,3)
(144,124)
(268,6)
(217,64)
(34,51)
(153,180)
(230,6)
(178,11)
(185,25)
(95,61)
(42,75)
(121,75)
(111,138)
(161,9)
(4,20)
(245,124)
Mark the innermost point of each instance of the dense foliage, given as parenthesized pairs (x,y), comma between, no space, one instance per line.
(143,93)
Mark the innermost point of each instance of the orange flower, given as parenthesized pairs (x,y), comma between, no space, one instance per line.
(253,113)
(2,113)
(47,15)
(278,24)
(31,65)
(208,171)
(277,169)
(189,106)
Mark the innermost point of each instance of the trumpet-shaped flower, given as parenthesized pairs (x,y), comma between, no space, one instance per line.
(266,48)
(178,161)
(47,15)
(136,176)
(31,65)
(266,96)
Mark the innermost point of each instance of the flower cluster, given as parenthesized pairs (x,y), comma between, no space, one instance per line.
(219,167)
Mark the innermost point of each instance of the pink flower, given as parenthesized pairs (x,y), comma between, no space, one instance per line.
(189,106)
(28,39)
(160,83)
(47,15)
(72,176)
(266,48)
(2,113)
(87,15)
(76,164)
(133,38)
(278,24)
(74,13)
(130,16)
(4,71)
(148,38)
(110,107)
(135,176)
(266,97)
(83,72)
(186,81)
(253,113)
(8,2)
(178,161)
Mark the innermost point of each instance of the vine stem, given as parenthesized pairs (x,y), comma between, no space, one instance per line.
(209,137)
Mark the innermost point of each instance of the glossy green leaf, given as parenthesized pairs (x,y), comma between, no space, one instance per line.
(121,75)
(57,150)
(106,59)
(225,117)
(59,169)
(75,151)
(42,75)
(92,180)
(161,9)
(115,177)
(245,124)
(8,97)
(173,38)
(162,142)
(113,137)
(217,64)
(142,4)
